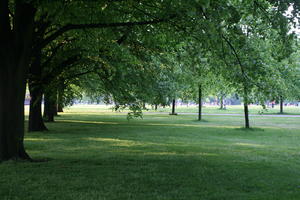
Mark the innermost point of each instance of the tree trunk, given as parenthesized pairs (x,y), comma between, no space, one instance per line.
(14,61)
(60,107)
(49,107)
(55,112)
(12,96)
(221,102)
(60,95)
(246,111)
(173,107)
(155,107)
(36,122)
(281,104)
(60,104)
(200,103)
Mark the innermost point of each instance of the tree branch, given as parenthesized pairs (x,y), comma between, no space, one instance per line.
(54,52)
(79,74)
(69,27)
(235,54)
(60,68)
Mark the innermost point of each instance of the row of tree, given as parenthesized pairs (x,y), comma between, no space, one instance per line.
(137,52)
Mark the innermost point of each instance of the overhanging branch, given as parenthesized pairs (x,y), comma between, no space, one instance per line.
(69,27)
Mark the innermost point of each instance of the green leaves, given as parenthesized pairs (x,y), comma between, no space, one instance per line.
(235,41)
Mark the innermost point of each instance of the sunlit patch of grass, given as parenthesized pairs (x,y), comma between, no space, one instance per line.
(180,154)
(118,142)
(87,122)
(249,145)
(42,139)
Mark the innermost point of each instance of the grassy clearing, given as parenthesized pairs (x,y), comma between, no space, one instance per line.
(236,109)
(100,155)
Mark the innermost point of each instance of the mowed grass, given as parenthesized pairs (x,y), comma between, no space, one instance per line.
(207,109)
(99,155)
(233,109)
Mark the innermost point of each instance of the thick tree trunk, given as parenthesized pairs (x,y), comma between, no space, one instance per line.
(49,107)
(200,103)
(155,107)
(36,122)
(12,95)
(14,60)
(281,104)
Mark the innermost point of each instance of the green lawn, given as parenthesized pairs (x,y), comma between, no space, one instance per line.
(100,155)
(236,109)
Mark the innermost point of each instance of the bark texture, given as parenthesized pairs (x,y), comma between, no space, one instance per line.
(36,122)
(14,60)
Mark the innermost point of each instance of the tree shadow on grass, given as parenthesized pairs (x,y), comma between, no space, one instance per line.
(152,176)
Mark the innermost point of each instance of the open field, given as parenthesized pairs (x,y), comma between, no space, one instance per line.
(96,154)
(236,109)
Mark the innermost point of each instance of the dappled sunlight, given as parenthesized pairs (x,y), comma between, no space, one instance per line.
(180,154)
(86,122)
(93,113)
(162,153)
(119,142)
(42,139)
(131,143)
(249,145)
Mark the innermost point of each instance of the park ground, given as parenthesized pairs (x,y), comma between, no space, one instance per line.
(93,153)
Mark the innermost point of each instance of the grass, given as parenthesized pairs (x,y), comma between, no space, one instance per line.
(235,109)
(99,155)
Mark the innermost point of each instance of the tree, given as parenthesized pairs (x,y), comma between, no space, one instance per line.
(27,28)
(18,43)
(198,75)
(14,58)
(243,50)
